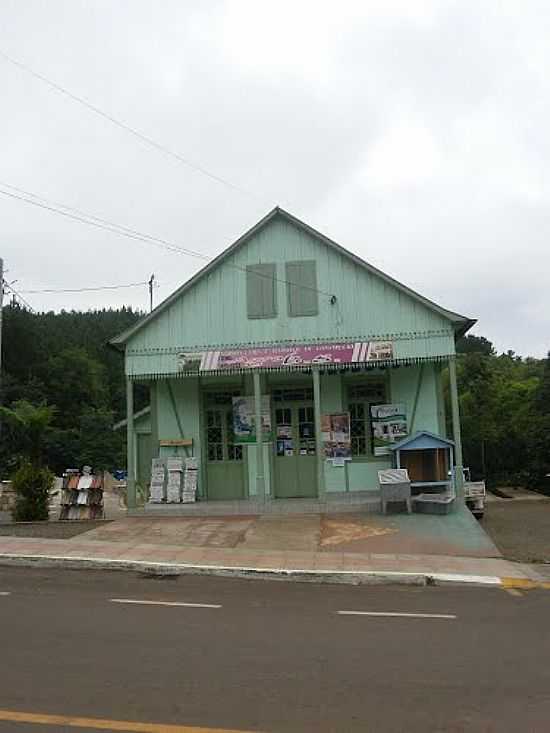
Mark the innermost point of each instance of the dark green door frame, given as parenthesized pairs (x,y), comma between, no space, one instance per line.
(224,460)
(295,450)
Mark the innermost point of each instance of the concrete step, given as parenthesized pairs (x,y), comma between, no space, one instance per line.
(357,501)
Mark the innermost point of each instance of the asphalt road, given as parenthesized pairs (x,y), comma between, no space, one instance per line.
(273,656)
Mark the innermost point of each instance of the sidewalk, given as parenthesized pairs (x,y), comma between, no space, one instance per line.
(342,548)
(339,567)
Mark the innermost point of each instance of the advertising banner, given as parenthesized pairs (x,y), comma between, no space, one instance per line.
(336,437)
(271,357)
(244,419)
(389,425)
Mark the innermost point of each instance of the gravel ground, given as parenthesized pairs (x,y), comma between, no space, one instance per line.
(520,528)
(49,530)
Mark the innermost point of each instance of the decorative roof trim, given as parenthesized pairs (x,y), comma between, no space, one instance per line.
(402,336)
(460,323)
(354,368)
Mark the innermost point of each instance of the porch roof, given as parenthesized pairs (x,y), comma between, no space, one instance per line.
(349,354)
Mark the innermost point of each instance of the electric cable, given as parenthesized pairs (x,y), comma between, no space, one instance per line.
(95,221)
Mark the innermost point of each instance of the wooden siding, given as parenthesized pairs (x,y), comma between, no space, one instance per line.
(214,312)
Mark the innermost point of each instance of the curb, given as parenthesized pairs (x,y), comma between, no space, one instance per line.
(346,577)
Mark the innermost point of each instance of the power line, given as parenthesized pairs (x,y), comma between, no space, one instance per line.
(14,291)
(85,290)
(59,205)
(139,135)
(95,221)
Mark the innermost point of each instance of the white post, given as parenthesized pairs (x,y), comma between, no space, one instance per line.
(458,476)
(260,480)
(130,445)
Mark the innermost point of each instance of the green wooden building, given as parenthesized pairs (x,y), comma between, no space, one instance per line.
(304,329)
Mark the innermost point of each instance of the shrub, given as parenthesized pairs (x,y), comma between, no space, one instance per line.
(32,486)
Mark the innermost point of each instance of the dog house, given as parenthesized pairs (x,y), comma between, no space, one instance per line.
(428,459)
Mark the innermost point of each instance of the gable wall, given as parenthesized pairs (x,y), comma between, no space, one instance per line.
(213,312)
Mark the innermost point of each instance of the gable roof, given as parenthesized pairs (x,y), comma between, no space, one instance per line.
(422,439)
(461,323)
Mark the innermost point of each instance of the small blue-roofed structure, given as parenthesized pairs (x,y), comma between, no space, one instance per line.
(428,459)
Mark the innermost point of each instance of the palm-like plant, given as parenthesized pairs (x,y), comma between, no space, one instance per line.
(32,482)
(30,424)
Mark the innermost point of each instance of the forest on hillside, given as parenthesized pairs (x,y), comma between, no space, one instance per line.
(63,359)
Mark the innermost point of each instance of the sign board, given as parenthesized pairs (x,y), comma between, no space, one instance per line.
(336,437)
(158,473)
(174,466)
(270,357)
(389,425)
(244,419)
(189,493)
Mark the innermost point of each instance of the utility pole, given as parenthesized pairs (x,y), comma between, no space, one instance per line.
(1,306)
(1,315)
(151,281)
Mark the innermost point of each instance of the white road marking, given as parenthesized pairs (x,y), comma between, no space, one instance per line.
(396,614)
(164,603)
(5,593)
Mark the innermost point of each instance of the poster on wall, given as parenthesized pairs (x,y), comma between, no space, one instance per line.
(389,425)
(244,419)
(336,438)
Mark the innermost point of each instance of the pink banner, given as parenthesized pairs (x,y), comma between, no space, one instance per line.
(271,357)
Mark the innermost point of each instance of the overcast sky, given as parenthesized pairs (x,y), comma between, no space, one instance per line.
(413,133)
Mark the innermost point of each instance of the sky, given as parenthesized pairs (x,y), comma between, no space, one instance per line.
(413,133)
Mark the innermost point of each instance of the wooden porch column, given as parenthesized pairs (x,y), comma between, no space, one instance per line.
(260,479)
(318,441)
(459,478)
(130,443)
(153,401)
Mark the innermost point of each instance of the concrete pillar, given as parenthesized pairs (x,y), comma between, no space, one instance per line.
(130,451)
(318,441)
(260,479)
(459,479)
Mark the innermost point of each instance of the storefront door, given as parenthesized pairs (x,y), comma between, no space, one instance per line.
(224,459)
(295,460)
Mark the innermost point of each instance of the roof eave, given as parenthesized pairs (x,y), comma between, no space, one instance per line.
(463,326)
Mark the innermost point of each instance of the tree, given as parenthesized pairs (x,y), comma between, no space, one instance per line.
(63,359)
(477,402)
(540,452)
(75,382)
(32,482)
(474,345)
(29,425)
(99,445)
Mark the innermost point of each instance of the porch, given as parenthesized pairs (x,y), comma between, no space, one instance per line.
(250,539)
(285,472)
